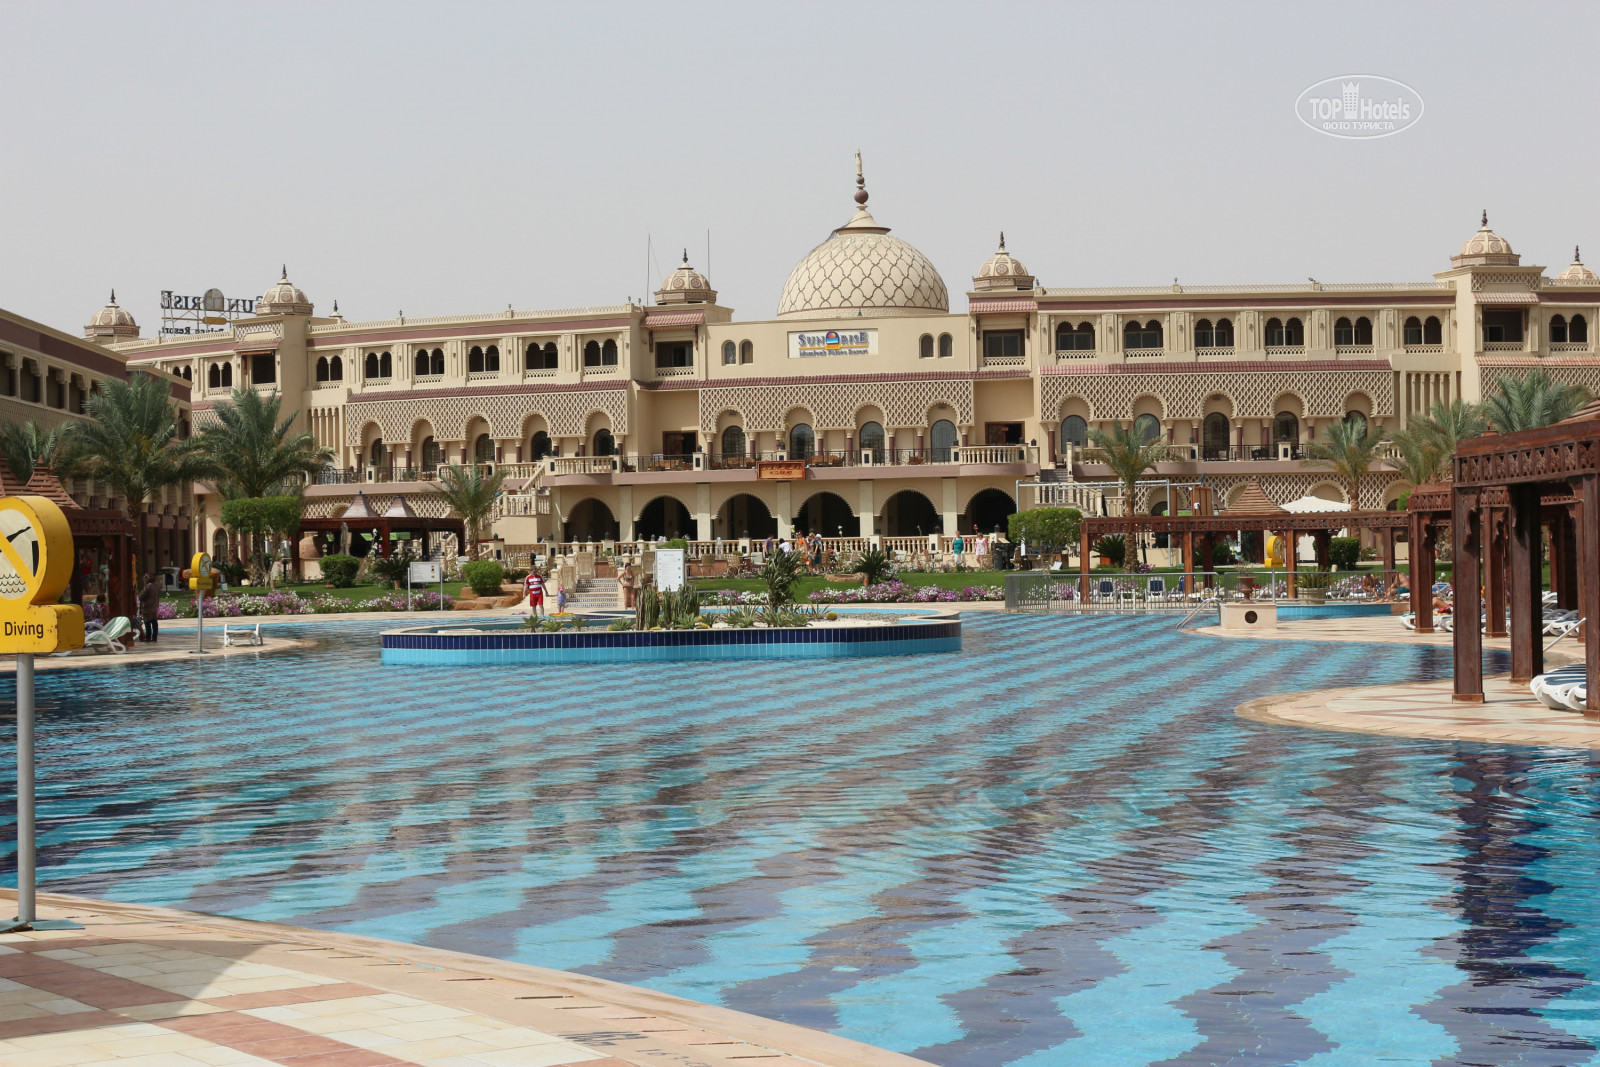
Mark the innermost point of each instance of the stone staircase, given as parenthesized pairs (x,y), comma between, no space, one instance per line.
(593,594)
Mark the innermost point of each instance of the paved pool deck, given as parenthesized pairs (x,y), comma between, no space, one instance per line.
(1509,713)
(150,987)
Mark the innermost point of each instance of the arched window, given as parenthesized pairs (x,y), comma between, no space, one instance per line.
(371,365)
(1363,331)
(1286,427)
(1074,431)
(730,353)
(1204,335)
(604,443)
(925,346)
(1224,333)
(1273,334)
(733,440)
(1215,436)
(608,354)
(1146,428)
(870,436)
(188,374)
(214,377)
(322,368)
(539,445)
(1356,421)
(438,361)
(336,369)
(591,354)
(419,363)
(942,437)
(802,442)
(483,449)
(747,352)
(430,454)
(491,359)
(1135,336)
(1344,333)
(385,366)
(475,360)
(1294,334)
(227,375)
(376,453)
(536,358)
(947,346)
(1578,330)
(1558,330)
(1413,331)
(1432,331)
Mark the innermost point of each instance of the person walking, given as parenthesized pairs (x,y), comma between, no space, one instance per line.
(149,608)
(956,548)
(534,584)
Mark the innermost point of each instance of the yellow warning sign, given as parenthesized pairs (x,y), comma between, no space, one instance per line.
(35,569)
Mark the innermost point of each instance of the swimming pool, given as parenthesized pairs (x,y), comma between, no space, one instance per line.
(1058,846)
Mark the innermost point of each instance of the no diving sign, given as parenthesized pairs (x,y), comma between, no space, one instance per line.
(35,569)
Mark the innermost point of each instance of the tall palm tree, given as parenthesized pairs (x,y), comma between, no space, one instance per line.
(1417,457)
(131,442)
(1528,401)
(1423,450)
(1350,451)
(470,493)
(27,446)
(1130,456)
(252,451)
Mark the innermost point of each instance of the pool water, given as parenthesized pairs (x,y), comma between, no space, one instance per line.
(1058,846)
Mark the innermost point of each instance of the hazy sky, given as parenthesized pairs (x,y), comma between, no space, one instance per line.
(453,157)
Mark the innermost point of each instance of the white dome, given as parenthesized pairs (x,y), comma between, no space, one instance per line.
(1577,274)
(1002,271)
(1486,248)
(284,298)
(111,321)
(860,268)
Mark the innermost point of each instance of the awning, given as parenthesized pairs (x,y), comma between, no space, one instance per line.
(1505,298)
(990,307)
(657,319)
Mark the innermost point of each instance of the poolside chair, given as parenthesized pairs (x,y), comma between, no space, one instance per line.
(109,637)
(1554,688)
(1156,590)
(1106,589)
(241,635)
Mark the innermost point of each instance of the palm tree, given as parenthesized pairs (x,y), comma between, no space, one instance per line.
(1417,457)
(471,493)
(1424,449)
(1350,451)
(131,443)
(251,452)
(1528,401)
(27,446)
(1130,457)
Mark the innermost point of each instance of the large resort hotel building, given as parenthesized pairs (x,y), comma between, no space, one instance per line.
(866,406)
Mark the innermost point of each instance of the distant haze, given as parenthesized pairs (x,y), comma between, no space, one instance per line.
(453,158)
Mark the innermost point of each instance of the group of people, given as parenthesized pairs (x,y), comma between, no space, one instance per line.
(810,547)
(535,586)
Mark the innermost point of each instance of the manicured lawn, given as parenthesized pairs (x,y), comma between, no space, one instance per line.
(354,594)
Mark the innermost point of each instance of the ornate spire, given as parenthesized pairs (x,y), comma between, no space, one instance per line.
(861,182)
(1485,223)
(685,257)
(285,275)
(1575,258)
(1002,240)
(114,292)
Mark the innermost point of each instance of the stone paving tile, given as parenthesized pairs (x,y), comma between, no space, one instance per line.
(143,986)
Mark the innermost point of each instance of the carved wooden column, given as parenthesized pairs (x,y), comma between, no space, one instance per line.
(1494,575)
(1587,536)
(1466,537)
(1527,648)
(1421,572)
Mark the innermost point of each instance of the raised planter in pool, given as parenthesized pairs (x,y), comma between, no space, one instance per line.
(468,645)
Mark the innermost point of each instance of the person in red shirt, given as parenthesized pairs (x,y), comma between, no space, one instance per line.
(534,585)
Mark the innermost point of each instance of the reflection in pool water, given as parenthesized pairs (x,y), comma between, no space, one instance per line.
(1057,846)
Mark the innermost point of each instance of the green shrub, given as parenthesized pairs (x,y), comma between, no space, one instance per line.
(484,575)
(1223,553)
(393,569)
(676,542)
(620,624)
(340,569)
(1045,529)
(873,565)
(1314,579)
(1113,547)
(1344,552)
(779,574)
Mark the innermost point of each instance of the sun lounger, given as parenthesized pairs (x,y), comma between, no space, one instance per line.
(109,637)
(1553,688)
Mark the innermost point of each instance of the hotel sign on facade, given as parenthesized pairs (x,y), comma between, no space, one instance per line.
(807,344)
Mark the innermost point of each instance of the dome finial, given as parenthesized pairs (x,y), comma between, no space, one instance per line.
(114,293)
(285,275)
(685,257)
(1002,240)
(1575,257)
(1485,222)
(861,182)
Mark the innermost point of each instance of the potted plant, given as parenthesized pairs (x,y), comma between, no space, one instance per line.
(1312,586)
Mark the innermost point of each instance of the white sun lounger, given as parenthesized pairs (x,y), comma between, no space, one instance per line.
(109,637)
(241,635)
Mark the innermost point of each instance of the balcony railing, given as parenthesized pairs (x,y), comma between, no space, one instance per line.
(1214,352)
(1075,353)
(1424,350)
(428,379)
(1003,361)
(582,464)
(1146,353)
(1503,346)
(1283,351)
(1570,348)
(674,372)
(539,372)
(521,504)
(1353,350)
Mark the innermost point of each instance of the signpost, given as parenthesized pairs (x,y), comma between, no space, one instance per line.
(423,572)
(36,556)
(202,581)
(669,569)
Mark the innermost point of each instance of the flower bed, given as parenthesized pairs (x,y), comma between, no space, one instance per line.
(891,592)
(287,603)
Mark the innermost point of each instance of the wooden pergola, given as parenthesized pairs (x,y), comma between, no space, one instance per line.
(1252,512)
(1548,476)
(358,518)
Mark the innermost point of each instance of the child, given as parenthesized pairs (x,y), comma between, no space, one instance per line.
(561,598)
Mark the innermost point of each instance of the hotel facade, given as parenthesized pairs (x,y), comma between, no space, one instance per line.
(866,407)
